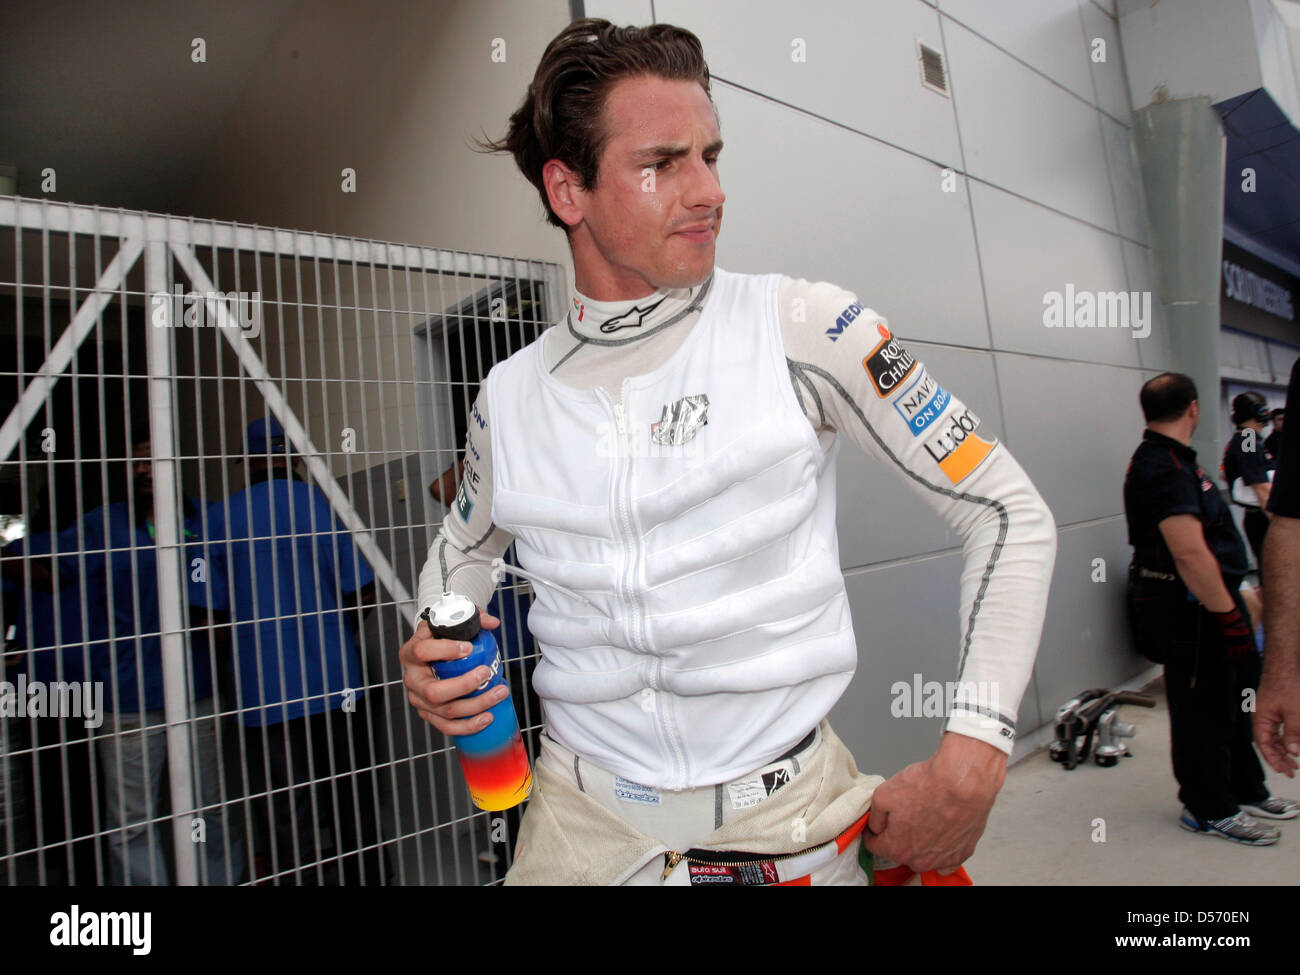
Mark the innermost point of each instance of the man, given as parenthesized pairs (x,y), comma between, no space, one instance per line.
(1248,467)
(116,562)
(297,589)
(48,625)
(1274,440)
(665,462)
(1187,613)
(1277,708)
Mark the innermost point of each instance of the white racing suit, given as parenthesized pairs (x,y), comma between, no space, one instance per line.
(671,461)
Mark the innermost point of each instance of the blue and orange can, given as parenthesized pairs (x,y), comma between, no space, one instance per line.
(494,760)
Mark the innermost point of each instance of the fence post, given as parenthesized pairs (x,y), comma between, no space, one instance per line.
(170,611)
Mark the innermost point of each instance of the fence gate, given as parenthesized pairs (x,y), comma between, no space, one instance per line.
(219,477)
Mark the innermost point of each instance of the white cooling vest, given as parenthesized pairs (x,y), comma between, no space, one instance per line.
(719,633)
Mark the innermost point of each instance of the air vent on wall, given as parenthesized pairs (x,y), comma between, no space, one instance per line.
(934,73)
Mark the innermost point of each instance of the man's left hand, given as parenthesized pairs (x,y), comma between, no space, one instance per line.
(930,815)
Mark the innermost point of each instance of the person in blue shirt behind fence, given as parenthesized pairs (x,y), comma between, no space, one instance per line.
(297,588)
(114,569)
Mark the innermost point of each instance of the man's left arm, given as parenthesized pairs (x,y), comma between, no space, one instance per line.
(867,385)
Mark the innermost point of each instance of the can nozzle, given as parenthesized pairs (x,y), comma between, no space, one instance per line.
(453,617)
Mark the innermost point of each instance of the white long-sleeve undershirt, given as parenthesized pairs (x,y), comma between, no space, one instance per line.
(1008,534)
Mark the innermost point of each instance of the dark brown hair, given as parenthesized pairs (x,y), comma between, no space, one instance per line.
(561,114)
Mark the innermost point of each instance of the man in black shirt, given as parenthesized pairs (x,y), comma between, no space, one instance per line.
(1277,711)
(1274,440)
(1248,467)
(1186,612)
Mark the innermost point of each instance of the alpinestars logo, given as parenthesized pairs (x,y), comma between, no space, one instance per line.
(634,317)
(775,779)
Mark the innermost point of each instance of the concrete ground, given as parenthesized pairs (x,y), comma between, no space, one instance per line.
(1043,830)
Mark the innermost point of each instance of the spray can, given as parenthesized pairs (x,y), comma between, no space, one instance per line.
(494,760)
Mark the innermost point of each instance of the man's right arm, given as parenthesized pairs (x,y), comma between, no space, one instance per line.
(1195,563)
(1277,711)
(1277,707)
(467,535)
(1199,570)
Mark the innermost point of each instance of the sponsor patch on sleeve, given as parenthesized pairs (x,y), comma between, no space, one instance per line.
(922,403)
(463,504)
(956,447)
(843,320)
(889,364)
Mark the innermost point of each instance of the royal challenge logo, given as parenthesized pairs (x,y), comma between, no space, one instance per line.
(889,364)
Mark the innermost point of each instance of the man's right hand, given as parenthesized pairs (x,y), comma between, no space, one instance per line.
(437,701)
(1238,640)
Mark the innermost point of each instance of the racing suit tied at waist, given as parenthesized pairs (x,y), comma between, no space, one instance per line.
(568,837)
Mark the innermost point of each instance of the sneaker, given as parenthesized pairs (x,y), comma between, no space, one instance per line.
(1274,807)
(1240,827)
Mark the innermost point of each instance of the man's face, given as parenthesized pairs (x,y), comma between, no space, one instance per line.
(653,218)
(1278,422)
(142,470)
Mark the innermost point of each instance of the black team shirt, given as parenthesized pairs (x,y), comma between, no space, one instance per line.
(1164,479)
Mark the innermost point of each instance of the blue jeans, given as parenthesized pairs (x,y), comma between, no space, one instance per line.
(132,749)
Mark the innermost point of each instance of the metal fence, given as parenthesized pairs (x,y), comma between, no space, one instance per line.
(219,467)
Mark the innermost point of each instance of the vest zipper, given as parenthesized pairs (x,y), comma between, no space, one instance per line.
(624,508)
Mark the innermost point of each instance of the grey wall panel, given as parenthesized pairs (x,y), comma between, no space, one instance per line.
(1125,179)
(861,69)
(1245,357)
(1027,252)
(1156,350)
(880,516)
(816,201)
(1086,642)
(622,12)
(1046,34)
(1074,426)
(1024,133)
(906,621)
(1108,76)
